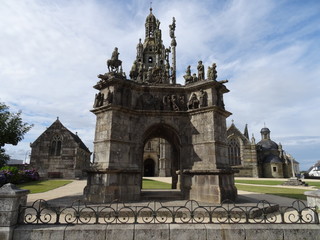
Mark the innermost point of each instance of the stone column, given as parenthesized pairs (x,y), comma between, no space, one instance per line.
(313,198)
(10,199)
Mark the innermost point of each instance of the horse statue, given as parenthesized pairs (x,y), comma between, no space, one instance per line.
(113,65)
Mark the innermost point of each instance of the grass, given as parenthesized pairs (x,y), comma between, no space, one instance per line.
(151,184)
(312,183)
(43,186)
(273,182)
(283,192)
(260,182)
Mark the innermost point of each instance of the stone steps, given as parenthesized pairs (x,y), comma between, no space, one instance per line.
(160,194)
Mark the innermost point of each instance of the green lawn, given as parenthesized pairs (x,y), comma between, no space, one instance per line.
(283,192)
(43,186)
(151,184)
(273,182)
(260,182)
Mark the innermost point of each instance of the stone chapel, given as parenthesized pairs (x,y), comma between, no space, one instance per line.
(59,153)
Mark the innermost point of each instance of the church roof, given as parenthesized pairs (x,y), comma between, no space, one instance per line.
(268,144)
(272,159)
(233,130)
(58,125)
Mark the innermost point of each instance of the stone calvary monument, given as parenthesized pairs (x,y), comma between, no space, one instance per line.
(191,117)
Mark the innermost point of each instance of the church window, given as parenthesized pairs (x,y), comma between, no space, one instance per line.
(234,152)
(274,169)
(55,149)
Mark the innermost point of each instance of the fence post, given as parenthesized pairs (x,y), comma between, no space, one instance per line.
(11,197)
(313,199)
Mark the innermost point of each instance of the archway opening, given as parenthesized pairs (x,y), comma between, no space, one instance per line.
(162,147)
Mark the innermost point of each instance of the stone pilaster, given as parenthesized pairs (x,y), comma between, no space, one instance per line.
(11,198)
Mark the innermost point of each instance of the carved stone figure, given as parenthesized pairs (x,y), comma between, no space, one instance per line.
(214,72)
(182,103)
(188,76)
(203,99)
(114,63)
(166,101)
(209,73)
(109,98)
(172,27)
(99,98)
(220,102)
(140,72)
(174,102)
(115,54)
(200,71)
(193,102)
(194,77)
(134,71)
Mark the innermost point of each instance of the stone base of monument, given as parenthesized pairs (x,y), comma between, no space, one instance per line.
(295,182)
(211,186)
(110,185)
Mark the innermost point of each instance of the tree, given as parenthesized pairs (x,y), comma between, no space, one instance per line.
(12,130)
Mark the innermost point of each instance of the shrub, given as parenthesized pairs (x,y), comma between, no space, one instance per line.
(14,175)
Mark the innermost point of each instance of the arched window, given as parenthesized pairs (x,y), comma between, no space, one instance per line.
(150,60)
(55,148)
(234,152)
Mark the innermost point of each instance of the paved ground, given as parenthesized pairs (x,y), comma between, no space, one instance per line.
(74,191)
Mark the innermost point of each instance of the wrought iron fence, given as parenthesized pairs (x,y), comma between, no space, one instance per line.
(40,212)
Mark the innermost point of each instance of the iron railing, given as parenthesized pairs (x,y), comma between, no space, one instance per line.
(40,212)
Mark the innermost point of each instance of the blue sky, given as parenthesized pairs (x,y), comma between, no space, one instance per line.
(52,51)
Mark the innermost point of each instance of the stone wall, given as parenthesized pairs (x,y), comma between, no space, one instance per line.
(169,231)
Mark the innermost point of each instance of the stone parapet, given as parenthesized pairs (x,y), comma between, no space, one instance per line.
(170,231)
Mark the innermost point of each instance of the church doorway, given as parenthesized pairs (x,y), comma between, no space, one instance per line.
(148,168)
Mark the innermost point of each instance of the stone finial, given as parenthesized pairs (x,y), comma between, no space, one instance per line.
(253,140)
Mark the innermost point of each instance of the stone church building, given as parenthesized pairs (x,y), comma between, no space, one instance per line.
(265,159)
(157,158)
(59,153)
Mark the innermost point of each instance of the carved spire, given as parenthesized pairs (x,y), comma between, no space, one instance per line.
(246,133)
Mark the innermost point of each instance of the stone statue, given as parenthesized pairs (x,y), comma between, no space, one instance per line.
(115,54)
(194,77)
(214,72)
(140,72)
(182,103)
(172,28)
(99,98)
(203,99)
(109,98)
(200,71)
(174,102)
(166,101)
(114,63)
(167,51)
(188,76)
(193,102)
(220,102)
(134,71)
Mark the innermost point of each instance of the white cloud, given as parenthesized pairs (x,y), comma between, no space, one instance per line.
(53,51)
